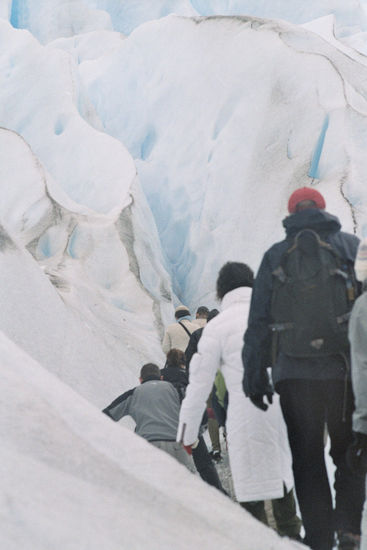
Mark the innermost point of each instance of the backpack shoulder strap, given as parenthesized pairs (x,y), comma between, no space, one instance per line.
(185,329)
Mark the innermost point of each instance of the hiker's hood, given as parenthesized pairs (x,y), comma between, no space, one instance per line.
(320,221)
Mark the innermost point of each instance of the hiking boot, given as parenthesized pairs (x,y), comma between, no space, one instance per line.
(348,541)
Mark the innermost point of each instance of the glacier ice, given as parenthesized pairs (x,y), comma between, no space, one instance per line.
(50,19)
(221,118)
(214,137)
(71,287)
(139,151)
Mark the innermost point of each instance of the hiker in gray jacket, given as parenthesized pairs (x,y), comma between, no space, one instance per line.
(155,407)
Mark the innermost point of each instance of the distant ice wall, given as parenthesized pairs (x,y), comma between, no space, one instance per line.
(211,138)
(219,144)
(51,19)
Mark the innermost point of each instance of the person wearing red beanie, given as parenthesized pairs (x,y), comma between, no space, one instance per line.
(305,197)
(315,389)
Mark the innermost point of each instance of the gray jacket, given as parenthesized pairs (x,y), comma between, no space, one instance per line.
(155,407)
(358,342)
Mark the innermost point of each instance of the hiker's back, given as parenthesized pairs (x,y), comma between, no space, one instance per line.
(313,388)
(313,292)
(155,410)
(178,335)
(177,376)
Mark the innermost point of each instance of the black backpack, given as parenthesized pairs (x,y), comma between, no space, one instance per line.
(177,377)
(313,293)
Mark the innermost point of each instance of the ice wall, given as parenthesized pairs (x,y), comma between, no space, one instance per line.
(73,291)
(225,117)
(50,19)
(222,117)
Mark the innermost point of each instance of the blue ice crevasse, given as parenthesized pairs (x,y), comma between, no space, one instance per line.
(71,245)
(314,168)
(148,144)
(17,15)
(44,246)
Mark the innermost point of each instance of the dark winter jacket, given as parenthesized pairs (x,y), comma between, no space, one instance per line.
(192,346)
(155,407)
(256,353)
(176,376)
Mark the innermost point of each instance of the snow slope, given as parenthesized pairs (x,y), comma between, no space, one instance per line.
(72,479)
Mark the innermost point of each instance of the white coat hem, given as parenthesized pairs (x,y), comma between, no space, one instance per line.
(259,493)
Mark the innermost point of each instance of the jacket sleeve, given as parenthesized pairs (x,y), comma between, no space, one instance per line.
(166,344)
(120,406)
(256,352)
(203,367)
(358,341)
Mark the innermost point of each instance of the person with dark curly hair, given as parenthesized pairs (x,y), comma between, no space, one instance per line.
(258,448)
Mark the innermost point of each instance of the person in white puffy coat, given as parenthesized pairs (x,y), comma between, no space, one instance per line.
(259,453)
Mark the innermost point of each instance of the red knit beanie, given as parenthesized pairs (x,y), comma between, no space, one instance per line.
(305,194)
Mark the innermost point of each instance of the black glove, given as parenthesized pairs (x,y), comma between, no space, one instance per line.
(258,400)
(357,454)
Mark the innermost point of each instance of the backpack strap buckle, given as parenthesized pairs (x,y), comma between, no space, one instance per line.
(343,318)
(279,327)
(280,274)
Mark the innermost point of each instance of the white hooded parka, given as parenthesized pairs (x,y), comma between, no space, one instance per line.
(259,453)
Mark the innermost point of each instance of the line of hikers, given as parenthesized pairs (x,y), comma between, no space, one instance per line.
(282,363)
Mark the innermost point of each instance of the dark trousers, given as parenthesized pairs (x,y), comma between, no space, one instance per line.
(213,427)
(219,411)
(284,512)
(205,465)
(307,405)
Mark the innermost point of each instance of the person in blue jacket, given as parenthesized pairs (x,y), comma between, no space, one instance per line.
(313,391)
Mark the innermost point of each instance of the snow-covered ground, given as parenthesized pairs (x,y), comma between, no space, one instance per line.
(72,479)
(142,145)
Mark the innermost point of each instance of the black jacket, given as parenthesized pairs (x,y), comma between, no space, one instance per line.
(176,376)
(192,346)
(256,353)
